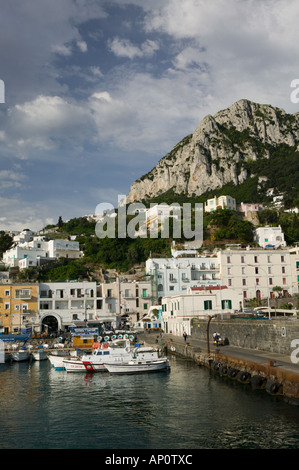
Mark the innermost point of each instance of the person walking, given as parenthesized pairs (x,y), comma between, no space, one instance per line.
(185,336)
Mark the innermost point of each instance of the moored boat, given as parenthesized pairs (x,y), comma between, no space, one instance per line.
(136,366)
(116,351)
(57,357)
(39,354)
(23,354)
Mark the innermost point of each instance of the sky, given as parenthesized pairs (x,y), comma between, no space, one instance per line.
(97,92)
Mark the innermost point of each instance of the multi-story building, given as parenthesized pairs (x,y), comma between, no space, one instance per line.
(255,272)
(179,311)
(173,276)
(74,303)
(18,307)
(294,260)
(221,202)
(31,253)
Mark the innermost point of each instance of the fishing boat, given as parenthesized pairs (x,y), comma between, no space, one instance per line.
(144,359)
(23,354)
(39,354)
(57,357)
(136,366)
(114,352)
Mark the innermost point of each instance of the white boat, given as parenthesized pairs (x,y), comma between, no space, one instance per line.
(57,358)
(39,354)
(136,366)
(115,352)
(144,359)
(20,355)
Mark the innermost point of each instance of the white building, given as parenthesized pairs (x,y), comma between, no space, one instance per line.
(180,311)
(173,276)
(221,202)
(294,259)
(30,253)
(271,237)
(254,272)
(74,304)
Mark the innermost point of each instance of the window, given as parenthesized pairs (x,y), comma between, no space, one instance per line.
(226,304)
(7,292)
(6,306)
(127,292)
(242,259)
(243,270)
(228,259)
(244,282)
(109,293)
(270,281)
(144,293)
(255,259)
(145,306)
(256,270)
(269,270)
(208,305)
(283,269)
(269,259)
(257,281)
(282,258)
(244,294)
(229,282)
(17,307)
(284,280)
(229,270)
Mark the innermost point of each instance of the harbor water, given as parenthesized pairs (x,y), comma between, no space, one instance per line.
(189,407)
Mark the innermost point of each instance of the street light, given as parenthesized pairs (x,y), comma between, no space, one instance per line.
(267,286)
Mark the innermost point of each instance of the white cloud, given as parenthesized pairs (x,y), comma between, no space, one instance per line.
(82,46)
(62,50)
(125,48)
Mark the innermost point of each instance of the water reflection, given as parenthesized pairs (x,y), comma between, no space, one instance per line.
(188,408)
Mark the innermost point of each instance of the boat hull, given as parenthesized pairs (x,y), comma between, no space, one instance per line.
(56,361)
(39,355)
(83,366)
(20,356)
(134,367)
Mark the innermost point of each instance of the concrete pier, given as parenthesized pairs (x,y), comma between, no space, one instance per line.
(273,372)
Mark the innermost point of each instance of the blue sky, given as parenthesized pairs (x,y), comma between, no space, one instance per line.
(96,92)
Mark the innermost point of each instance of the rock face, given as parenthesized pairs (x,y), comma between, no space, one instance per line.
(214,155)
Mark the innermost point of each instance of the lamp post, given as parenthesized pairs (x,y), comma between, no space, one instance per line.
(268,289)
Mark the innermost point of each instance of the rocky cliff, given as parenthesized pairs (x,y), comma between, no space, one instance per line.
(217,152)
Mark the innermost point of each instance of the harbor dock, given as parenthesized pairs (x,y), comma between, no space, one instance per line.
(270,371)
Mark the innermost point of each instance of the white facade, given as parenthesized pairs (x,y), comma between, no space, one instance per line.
(254,272)
(223,202)
(179,311)
(173,276)
(40,247)
(73,303)
(269,237)
(294,259)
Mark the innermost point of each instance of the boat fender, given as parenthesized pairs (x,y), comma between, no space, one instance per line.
(215,365)
(272,387)
(231,372)
(172,348)
(257,381)
(223,370)
(243,376)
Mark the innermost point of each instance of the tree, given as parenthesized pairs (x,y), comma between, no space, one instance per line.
(5,241)
(60,223)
